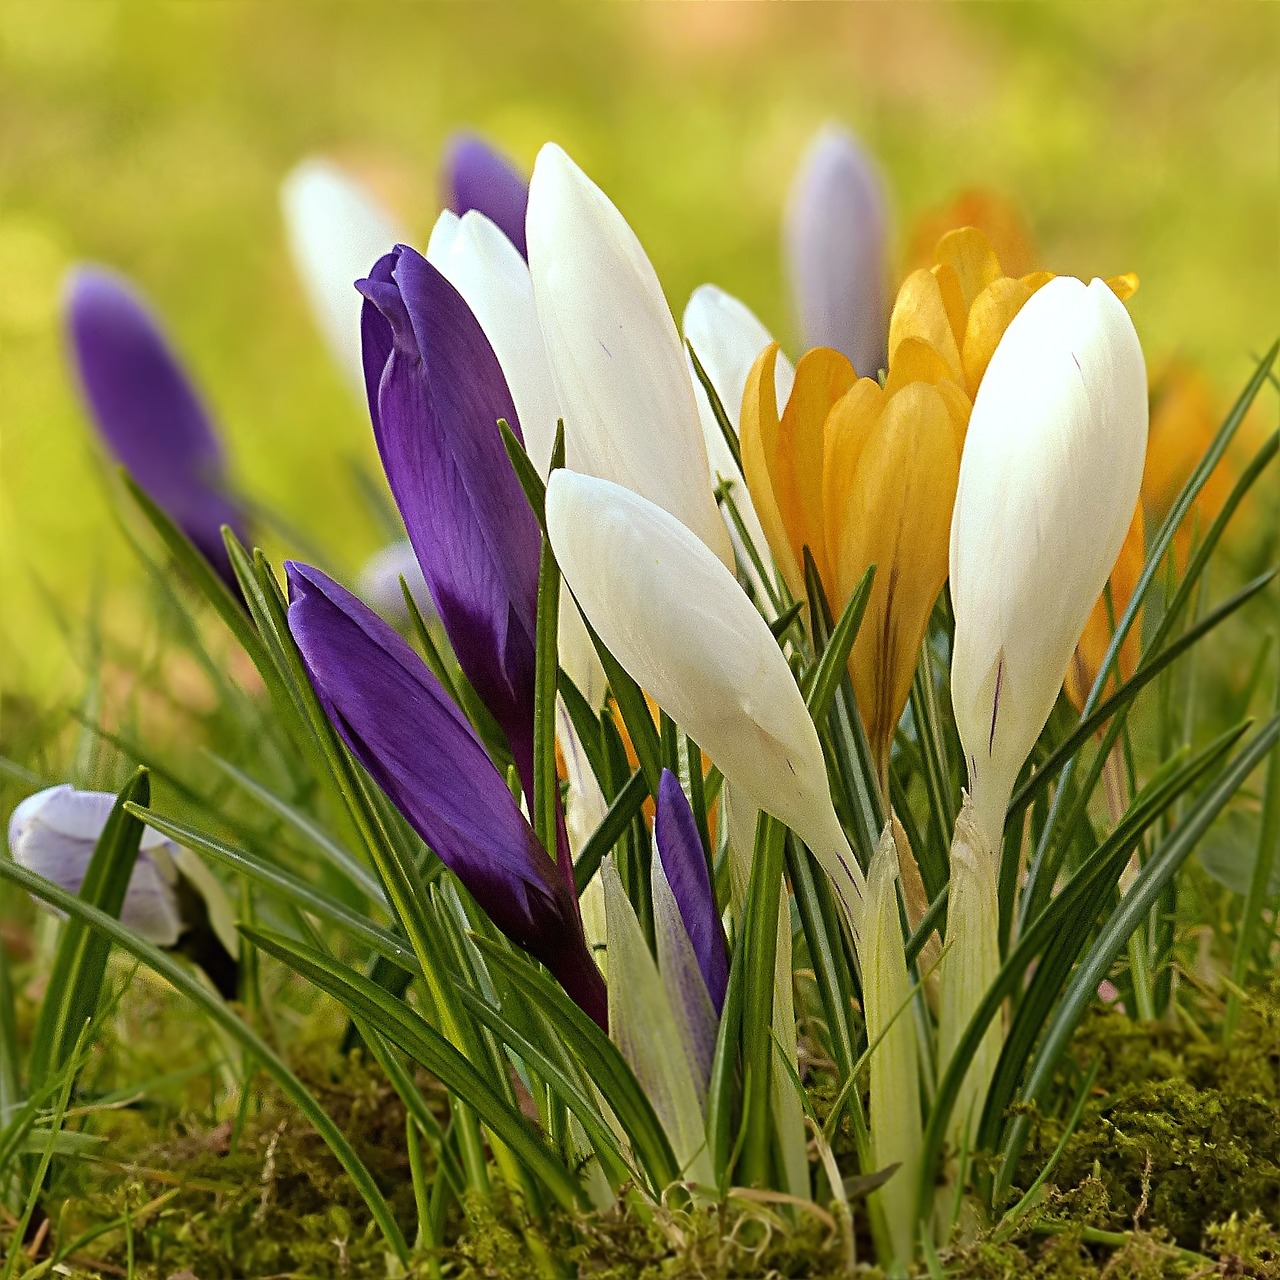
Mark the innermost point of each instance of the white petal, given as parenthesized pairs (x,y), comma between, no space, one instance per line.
(678,622)
(53,833)
(728,338)
(644,1027)
(493,279)
(1049,479)
(622,378)
(379,583)
(836,243)
(336,231)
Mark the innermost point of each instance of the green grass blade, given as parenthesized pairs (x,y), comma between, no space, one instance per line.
(207,1002)
(624,808)
(717,409)
(75,982)
(833,663)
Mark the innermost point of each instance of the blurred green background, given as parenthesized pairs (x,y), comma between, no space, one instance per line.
(153,136)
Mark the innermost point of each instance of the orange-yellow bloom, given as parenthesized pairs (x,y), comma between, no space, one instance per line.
(860,475)
(999,220)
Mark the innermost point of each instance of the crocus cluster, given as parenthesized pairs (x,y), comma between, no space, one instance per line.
(988,430)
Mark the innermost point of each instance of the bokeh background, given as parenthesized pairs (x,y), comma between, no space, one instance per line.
(153,136)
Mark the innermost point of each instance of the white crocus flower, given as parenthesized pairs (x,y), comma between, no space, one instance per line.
(728,339)
(54,833)
(836,243)
(617,360)
(1049,479)
(336,230)
(684,630)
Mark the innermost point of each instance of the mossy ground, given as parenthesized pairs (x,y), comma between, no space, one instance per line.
(1173,1170)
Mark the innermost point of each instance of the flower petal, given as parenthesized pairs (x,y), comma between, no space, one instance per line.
(1049,480)
(836,247)
(336,230)
(478,177)
(439,402)
(379,582)
(417,746)
(684,861)
(678,622)
(621,374)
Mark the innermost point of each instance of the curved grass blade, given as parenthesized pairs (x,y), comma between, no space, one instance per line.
(207,1002)
(413,1035)
(75,982)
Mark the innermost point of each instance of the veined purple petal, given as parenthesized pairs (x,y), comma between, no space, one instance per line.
(147,411)
(680,848)
(478,177)
(439,398)
(417,746)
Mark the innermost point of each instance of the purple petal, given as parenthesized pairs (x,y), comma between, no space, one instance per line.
(680,847)
(417,746)
(146,410)
(837,247)
(439,399)
(478,177)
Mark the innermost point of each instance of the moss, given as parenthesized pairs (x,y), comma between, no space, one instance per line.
(1184,1131)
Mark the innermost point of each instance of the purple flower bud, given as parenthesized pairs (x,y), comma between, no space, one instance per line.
(836,246)
(436,393)
(478,177)
(680,848)
(418,747)
(147,411)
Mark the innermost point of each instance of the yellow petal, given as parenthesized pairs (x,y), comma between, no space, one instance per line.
(920,312)
(969,254)
(959,406)
(989,317)
(1125,286)
(897,516)
(759,431)
(1035,279)
(822,377)
(1086,662)
(846,431)
(915,361)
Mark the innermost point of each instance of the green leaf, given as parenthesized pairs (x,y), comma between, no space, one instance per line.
(833,663)
(1134,906)
(192,988)
(624,808)
(599,1059)
(717,409)
(545,801)
(75,982)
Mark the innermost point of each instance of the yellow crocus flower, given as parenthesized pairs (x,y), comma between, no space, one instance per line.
(861,474)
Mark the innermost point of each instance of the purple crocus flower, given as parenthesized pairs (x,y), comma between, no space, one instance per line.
(685,865)
(418,747)
(836,244)
(436,393)
(478,177)
(147,411)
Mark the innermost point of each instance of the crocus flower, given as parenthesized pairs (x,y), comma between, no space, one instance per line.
(419,748)
(837,250)
(147,412)
(436,394)
(1049,480)
(685,631)
(617,361)
(478,177)
(171,892)
(1094,641)
(727,338)
(861,475)
(336,227)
